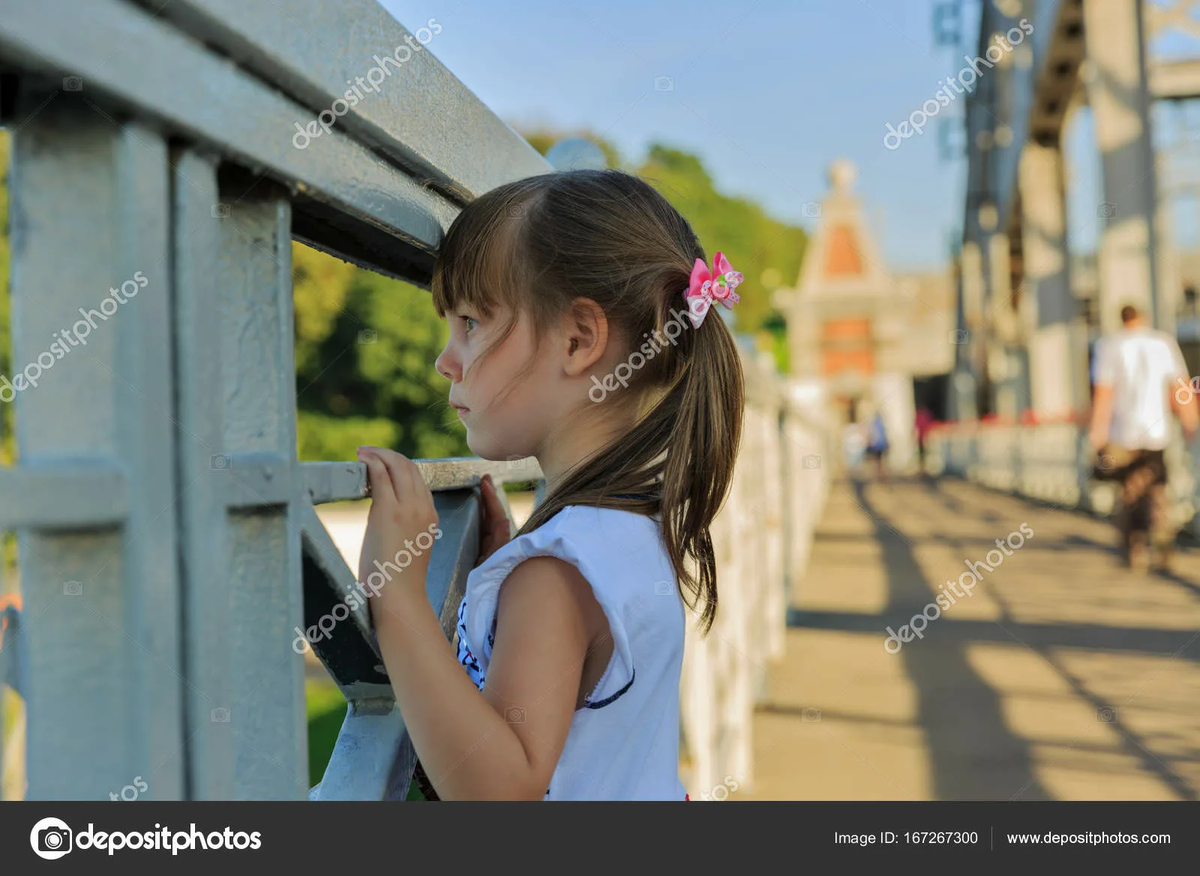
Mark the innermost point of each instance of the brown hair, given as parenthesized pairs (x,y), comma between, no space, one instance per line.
(537,244)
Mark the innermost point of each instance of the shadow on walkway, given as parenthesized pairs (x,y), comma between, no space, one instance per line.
(1062,677)
(967,724)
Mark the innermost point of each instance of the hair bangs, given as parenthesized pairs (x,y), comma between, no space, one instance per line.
(480,264)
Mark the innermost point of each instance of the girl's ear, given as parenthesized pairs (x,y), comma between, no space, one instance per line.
(585,335)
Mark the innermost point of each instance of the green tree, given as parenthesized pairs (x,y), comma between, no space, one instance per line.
(365,347)
(765,250)
(542,139)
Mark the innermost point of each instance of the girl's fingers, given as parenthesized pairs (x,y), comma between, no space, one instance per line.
(406,478)
(397,486)
(418,490)
(382,489)
(487,491)
(497,520)
(401,483)
(501,529)
(491,498)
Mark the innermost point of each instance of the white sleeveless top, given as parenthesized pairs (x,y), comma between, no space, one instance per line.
(624,743)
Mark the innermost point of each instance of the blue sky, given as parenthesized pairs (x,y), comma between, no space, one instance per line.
(768,93)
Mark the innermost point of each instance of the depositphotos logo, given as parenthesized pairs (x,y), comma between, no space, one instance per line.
(51,838)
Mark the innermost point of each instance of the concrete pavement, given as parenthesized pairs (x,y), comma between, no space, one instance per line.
(1057,676)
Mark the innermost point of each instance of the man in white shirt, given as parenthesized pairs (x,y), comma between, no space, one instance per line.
(1139,373)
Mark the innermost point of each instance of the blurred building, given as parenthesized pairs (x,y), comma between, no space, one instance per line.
(877,339)
(1031,308)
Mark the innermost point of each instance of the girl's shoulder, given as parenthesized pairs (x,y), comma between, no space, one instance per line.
(612,533)
(583,534)
(620,554)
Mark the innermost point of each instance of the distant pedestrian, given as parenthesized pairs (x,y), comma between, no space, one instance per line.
(924,422)
(1140,378)
(877,445)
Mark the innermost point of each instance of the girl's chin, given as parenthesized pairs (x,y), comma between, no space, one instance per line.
(489,452)
(478,446)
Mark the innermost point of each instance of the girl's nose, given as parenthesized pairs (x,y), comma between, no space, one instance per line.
(443,364)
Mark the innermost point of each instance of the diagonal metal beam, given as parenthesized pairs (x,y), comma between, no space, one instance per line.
(345,646)
(373,758)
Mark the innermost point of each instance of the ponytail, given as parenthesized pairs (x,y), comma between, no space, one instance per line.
(700,459)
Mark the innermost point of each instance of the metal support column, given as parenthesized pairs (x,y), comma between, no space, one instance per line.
(1120,101)
(1058,376)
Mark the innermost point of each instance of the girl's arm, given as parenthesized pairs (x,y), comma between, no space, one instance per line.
(502,744)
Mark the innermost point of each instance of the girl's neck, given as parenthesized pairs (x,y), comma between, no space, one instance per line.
(568,447)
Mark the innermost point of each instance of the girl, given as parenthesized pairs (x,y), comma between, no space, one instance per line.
(577,305)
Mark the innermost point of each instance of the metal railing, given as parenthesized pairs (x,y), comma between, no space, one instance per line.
(1053,463)
(762,538)
(167,539)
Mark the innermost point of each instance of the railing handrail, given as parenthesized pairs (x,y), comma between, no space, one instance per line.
(379,189)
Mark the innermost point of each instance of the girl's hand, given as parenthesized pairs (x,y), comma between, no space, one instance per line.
(495,531)
(402,523)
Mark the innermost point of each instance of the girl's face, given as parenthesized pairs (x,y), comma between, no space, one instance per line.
(506,416)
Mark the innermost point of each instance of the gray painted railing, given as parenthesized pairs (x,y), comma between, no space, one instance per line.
(1053,462)
(168,544)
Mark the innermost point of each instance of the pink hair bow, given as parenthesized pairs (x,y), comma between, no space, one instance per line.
(705,288)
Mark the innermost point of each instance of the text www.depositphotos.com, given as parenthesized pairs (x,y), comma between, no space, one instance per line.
(959,588)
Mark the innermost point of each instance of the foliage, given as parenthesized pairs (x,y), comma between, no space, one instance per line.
(365,348)
(542,139)
(755,244)
(326,710)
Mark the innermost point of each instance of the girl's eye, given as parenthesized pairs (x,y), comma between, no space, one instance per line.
(470,321)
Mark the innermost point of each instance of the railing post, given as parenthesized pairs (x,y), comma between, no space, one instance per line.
(242,490)
(100,618)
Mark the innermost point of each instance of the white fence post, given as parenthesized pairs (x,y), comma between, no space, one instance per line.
(761,537)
